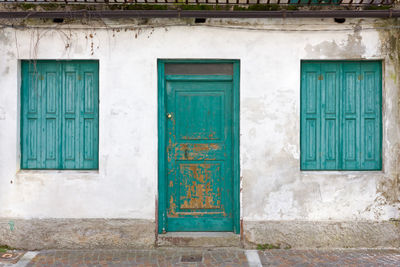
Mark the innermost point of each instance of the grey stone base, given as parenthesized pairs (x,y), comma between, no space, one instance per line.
(199,239)
(322,234)
(36,234)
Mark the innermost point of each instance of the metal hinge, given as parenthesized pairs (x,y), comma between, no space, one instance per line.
(360,77)
(320,77)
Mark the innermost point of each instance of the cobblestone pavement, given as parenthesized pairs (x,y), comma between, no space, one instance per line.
(211,257)
(159,257)
(339,257)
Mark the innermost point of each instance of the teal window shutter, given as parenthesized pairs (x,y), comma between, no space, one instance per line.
(59,126)
(310,116)
(341,115)
(89,119)
(31,118)
(330,80)
(351,116)
(371,116)
(40,116)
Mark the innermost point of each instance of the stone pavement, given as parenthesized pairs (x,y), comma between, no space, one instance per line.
(209,257)
(339,257)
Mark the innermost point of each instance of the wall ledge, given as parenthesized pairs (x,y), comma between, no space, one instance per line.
(323,234)
(37,234)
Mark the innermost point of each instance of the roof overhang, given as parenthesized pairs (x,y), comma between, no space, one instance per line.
(198,9)
(203,14)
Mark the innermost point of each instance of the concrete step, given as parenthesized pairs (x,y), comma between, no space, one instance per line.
(199,239)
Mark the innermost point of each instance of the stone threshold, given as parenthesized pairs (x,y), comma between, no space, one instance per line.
(199,239)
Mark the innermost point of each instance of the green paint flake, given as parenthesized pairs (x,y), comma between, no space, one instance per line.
(11,224)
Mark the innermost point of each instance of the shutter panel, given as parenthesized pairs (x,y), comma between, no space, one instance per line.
(41,116)
(80,115)
(310,116)
(89,115)
(70,117)
(370,131)
(50,116)
(350,119)
(330,115)
(31,126)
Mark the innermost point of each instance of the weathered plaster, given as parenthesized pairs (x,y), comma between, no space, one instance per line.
(270,52)
(351,48)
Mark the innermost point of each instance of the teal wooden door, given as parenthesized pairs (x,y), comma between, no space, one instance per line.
(199,149)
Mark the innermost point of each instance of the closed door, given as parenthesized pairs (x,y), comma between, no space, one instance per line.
(199,121)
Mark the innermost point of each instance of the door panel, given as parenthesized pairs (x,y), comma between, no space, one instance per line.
(199,155)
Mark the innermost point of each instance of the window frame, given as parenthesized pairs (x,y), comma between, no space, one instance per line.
(340,166)
(61,68)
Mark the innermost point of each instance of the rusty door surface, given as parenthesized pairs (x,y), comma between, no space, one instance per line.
(199,149)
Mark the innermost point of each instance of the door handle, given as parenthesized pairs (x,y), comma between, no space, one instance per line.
(186,153)
(169,115)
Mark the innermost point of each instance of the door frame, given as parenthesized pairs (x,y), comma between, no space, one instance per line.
(162,174)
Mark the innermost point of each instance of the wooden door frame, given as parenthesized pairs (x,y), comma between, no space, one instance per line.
(162,177)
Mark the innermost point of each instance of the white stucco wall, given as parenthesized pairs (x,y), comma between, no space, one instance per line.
(270,51)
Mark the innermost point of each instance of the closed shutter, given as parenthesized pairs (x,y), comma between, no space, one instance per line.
(330,80)
(341,116)
(350,134)
(59,115)
(370,125)
(311,116)
(40,116)
(80,116)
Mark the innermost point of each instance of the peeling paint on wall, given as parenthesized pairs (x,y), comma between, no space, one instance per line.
(350,48)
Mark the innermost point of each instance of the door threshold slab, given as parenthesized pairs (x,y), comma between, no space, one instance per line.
(199,239)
